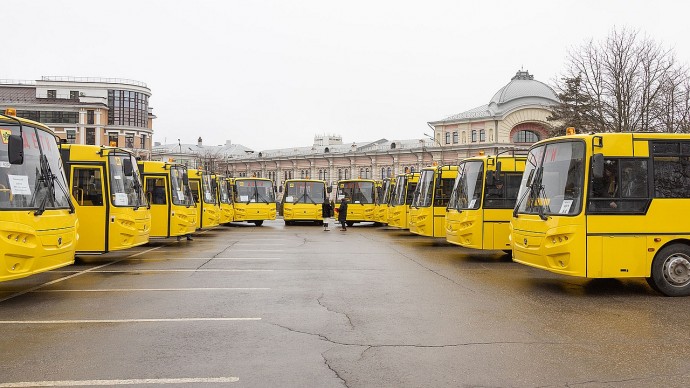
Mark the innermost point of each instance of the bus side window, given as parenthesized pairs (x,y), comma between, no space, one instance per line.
(87,187)
(155,191)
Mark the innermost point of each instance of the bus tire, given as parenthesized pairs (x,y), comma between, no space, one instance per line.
(288,223)
(258,223)
(671,270)
(349,223)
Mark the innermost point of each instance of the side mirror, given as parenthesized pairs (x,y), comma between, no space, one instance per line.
(490,178)
(214,184)
(127,167)
(498,168)
(598,166)
(15,149)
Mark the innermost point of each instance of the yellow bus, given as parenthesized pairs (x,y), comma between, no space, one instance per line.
(108,196)
(39,223)
(255,200)
(428,208)
(398,212)
(480,207)
(203,189)
(610,205)
(361,196)
(383,196)
(224,199)
(303,200)
(166,185)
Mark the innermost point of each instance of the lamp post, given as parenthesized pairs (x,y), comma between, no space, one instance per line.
(439,145)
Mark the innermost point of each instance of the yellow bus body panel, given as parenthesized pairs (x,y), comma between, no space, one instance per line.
(302,212)
(465,228)
(33,244)
(227,213)
(128,227)
(254,211)
(398,216)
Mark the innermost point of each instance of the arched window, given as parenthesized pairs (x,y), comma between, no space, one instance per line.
(412,169)
(366,174)
(525,137)
(392,146)
(340,173)
(482,135)
(383,172)
(361,173)
(388,172)
(347,173)
(326,150)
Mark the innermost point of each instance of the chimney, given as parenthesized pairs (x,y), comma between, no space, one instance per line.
(228,143)
(198,142)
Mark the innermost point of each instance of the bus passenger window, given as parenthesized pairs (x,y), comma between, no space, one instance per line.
(155,191)
(87,187)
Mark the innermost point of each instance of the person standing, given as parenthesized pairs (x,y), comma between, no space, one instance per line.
(326,213)
(342,213)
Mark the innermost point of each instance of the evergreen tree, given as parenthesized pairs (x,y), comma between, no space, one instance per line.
(574,110)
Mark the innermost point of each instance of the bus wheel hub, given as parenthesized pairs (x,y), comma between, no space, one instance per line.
(677,270)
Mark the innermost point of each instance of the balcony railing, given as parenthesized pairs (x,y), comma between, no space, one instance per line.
(123,81)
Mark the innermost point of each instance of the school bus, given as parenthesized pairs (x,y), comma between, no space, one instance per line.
(480,206)
(224,199)
(303,200)
(166,186)
(428,208)
(383,197)
(203,188)
(37,219)
(361,196)
(255,200)
(108,196)
(398,212)
(608,205)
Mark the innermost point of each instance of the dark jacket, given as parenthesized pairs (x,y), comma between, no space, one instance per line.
(326,210)
(342,211)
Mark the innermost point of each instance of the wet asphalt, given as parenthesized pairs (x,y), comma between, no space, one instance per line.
(294,306)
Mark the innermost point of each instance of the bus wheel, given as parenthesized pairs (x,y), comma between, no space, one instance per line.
(288,222)
(671,270)
(349,223)
(258,223)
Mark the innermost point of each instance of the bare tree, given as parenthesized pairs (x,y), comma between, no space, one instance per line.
(632,82)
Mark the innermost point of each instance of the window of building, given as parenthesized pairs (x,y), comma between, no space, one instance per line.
(56,117)
(89,117)
(525,137)
(455,137)
(388,172)
(447,137)
(482,135)
(127,108)
(71,136)
(91,136)
(143,141)
(73,94)
(129,140)
(474,136)
(112,139)
(52,93)
(340,174)
(361,173)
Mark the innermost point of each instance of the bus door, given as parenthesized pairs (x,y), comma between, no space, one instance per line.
(87,194)
(195,187)
(156,191)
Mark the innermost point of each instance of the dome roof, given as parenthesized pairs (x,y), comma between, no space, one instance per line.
(523,85)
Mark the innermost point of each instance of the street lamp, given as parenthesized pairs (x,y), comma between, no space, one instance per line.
(439,145)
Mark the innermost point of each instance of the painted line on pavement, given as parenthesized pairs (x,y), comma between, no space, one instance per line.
(142,320)
(208,258)
(75,383)
(161,289)
(74,275)
(172,270)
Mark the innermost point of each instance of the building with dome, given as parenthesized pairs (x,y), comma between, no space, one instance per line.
(514,117)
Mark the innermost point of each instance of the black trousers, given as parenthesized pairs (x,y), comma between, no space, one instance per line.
(342,222)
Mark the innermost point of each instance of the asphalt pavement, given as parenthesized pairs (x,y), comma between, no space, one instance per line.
(294,306)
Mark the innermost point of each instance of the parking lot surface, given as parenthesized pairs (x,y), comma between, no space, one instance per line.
(294,306)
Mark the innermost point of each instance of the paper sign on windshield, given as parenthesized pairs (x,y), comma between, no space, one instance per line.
(120,199)
(19,184)
(565,206)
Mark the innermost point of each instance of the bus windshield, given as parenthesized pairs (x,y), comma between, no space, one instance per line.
(304,192)
(254,190)
(125,184)
(39,182)
(180,193)
(208,188)
(425,189)
(467,190)
(357,192)
(553,179)
(398,197)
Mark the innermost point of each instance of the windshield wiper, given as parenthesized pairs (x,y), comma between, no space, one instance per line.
(48,179)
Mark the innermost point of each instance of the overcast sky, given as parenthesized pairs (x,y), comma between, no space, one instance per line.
(272,74)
